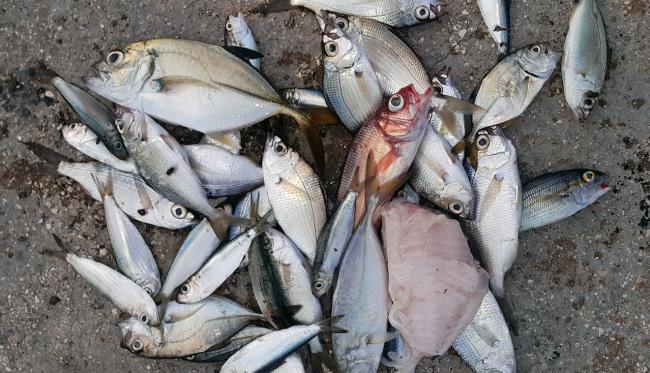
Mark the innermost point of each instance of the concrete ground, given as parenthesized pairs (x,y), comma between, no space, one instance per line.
(580,287)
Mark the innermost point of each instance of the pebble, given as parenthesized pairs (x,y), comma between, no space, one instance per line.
(103,252)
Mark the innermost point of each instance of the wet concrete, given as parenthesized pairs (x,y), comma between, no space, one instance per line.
(580,287)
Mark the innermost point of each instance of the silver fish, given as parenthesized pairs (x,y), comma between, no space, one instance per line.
(508,89)
(349,81)
(408,194)
(496,15)
(296,195)
(485,345)
(304,97)
(439,176)
(223,351)
(292,364)
(125,294)
(396,13)
(230,140)
(497,204)
(443,85)
(332,244)
(238,34)
(584,63)
(195,250)
(272,348)
(207,325)
(294,276)
(209,308)
(556,196)
(86,141)
(361,296)
(132,253)
(221,172)
(131,193)
(243,209)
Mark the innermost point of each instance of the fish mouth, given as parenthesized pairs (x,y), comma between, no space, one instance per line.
(534,75)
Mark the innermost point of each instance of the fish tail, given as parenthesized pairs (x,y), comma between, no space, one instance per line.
(105,188)
(327,325)
(61,254)
(497,285)
(51,159)
(220,223)
(310,129)
(508,310)
(273,6)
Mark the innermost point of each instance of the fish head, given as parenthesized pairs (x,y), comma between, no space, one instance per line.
(137,336)
(236,29)
(121,76)
(278,157)
(443,83)
(491,149)
(588,186)
(405,114)
(408,194)
(322,283)
(423,11)
(456,198)
(538,61)
(170,214)
(131,124)
(150,284)
(78,133)
(583,102)
(190,291)
(339,48)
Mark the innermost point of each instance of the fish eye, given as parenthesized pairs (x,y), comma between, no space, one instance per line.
(179,212)
(114,58)
(119,123)
(395,103)
(482,142)
(456,208)
(422,13)
(144,318)
(342,23)
(589,176)
(185,289)
(589,102)
(280,149)
(73,126)
(331,49)
(229,26)
(318,285)
(137,345)
(401,194)
(437,88)
(267,241)
(118,146)
(536,49)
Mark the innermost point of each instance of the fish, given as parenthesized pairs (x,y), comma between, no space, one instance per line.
(349,81)
(223,351)
(485,345)
(292,364)
(125,294)
(209,323)
(396,353)
(222,173)
(132,194)
(304,97)
(243,209)
(199,244)
(86,141)
(208,308)
(332,243)
(94,115)
(443,85)
(221,265)
(361,296)
(508,89)
(408,194)
(496,15)
(556,196)
(494,231)
(194,85)
(294,276)
(238,34)
(387,144)
(273,348)
(584,63)
(132,254)
(230,140)
(439,176)
(296,195)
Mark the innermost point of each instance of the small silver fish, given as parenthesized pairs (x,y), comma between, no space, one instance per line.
(86,141)
(304,97)
(223,351)
(496,15)
(238,34)
(443,85)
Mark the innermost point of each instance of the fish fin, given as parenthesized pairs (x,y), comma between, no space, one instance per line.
(321,116)
(448,123)
(105,189)
(221,222)
(491,193)
(387,160)
(456,105)
(505,303)
(62,254)
(243,53)
(460,147)
(327,325)
(228,142)
(292,310)
(143,196)
(311,132)
(273,6)
(357,184)
(173,82)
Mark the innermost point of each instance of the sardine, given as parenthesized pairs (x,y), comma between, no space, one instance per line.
(332,244)
(221,172)
(508,89)
(350,84)
(195,250)
(206,326)
(238,34)
(131,193)
(304,97)
(296,195)
(439,176)
(584,63)
(361,296)
(223,351)
(94,114)
(496,15)
(132,253)
(125,294)
(497,204)
(556,196)
(86,141)
(485,345)
(208,308)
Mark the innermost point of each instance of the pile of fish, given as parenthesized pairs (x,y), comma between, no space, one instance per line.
(379,278)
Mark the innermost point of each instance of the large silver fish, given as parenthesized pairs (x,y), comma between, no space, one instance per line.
(349,82)
(485,345)
(556,196)
(131,193)
(125,294)
(508,89)
(296,195)
(494,232)
(86,141)
(332,244)
(361,297)
(439,176)
(496,15)
(238,34)
(205,324)
(132,253)
(195,250)
(584,63)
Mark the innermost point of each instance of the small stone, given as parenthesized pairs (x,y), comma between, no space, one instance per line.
(49,94)
(54,300)
(103,252)
(462,33)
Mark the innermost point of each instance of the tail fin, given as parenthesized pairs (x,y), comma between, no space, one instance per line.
(50,158)
(505,303)
(105,189)
(327,325)
(310,129)
(61,254)
(221,222)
